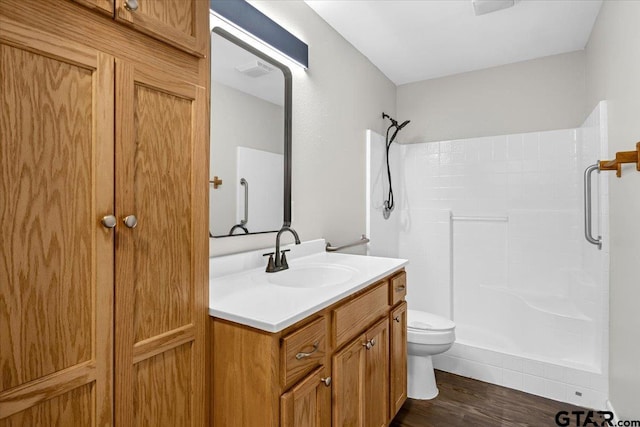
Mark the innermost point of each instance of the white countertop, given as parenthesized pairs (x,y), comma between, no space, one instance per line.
(249,298)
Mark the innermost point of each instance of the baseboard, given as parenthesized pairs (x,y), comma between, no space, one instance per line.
(611,409)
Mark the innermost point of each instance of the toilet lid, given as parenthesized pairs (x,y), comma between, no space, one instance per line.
(421,320)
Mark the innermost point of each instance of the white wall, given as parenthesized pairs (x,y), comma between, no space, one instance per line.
(613,73)
(340,96)
(531,96)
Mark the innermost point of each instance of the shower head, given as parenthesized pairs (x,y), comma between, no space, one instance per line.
(394,123)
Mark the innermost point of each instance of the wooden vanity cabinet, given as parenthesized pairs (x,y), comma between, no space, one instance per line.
(360,378)
(343,366)
(307,403)
(103,321)
(398,357)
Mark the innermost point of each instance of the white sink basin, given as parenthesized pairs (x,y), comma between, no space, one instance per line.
(312,276)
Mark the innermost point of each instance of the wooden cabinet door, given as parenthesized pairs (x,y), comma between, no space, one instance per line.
(398,358)
(308,403)
(376,392)
(102,6)
(180,23)
(349,376)
(161,280)
(56,261)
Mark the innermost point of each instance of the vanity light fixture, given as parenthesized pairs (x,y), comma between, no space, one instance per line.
(250,25)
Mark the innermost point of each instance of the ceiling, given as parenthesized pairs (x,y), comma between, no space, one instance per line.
(228,57)
(413,40)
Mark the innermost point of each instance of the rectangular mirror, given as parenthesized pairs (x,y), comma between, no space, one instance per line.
(250,146)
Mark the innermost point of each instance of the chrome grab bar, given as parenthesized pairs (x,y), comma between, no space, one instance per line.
(588,234)
(246,201)
(362,241)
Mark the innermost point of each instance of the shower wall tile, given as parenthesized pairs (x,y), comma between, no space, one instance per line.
(555,390)
(564,384)
(536,262)
(513,363)
(512,379)
(424,240)
(533,367)
(545,379)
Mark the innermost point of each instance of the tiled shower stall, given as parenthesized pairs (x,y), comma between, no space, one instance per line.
(493,230)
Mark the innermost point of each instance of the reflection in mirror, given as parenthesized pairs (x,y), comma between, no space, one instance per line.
(250,139)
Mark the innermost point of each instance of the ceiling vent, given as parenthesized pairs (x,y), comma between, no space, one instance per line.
(255,68)
(482,7)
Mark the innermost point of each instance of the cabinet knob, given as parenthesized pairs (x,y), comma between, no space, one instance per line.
(109,221)
(400,288)
(131,5)
(130,221)
(368,345)
(373,342)
(397,319)
(326,381)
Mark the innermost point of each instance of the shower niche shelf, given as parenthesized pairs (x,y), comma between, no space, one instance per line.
(621,158)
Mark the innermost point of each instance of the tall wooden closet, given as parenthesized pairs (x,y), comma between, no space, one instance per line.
(103,212)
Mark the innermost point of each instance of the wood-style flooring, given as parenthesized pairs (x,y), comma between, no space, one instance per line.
(471,403)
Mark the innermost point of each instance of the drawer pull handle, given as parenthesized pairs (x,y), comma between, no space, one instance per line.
(397,319)
(326,381)
(400,288)
(302,355)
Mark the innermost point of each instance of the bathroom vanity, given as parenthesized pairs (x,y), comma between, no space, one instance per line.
(311,354)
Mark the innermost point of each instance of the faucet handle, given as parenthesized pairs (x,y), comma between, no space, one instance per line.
(283,259)
(271,267)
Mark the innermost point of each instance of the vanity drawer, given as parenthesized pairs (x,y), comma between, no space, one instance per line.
(398,288)
(303,350)
(352,318)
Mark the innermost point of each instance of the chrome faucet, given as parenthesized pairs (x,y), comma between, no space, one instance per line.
(280,261)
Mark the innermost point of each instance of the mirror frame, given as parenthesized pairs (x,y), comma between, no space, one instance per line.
(288,100)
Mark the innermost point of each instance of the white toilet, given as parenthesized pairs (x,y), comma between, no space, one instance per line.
(427,334)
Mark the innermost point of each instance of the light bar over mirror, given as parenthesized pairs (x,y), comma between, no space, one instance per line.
(241,14)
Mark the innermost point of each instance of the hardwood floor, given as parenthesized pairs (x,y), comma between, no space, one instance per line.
(471,403)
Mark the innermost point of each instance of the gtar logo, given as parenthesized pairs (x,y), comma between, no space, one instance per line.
(584,418)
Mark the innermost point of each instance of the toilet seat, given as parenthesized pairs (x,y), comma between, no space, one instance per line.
(422,321)
(428,328)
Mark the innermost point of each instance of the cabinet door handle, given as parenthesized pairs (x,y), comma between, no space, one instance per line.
(397,319)
(302,355)
(400,288)
(109,221)
(373,342)
(326,381)
(368,345)
(130,221)
(131,5)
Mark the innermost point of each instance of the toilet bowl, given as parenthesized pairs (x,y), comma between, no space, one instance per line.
(427,335)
